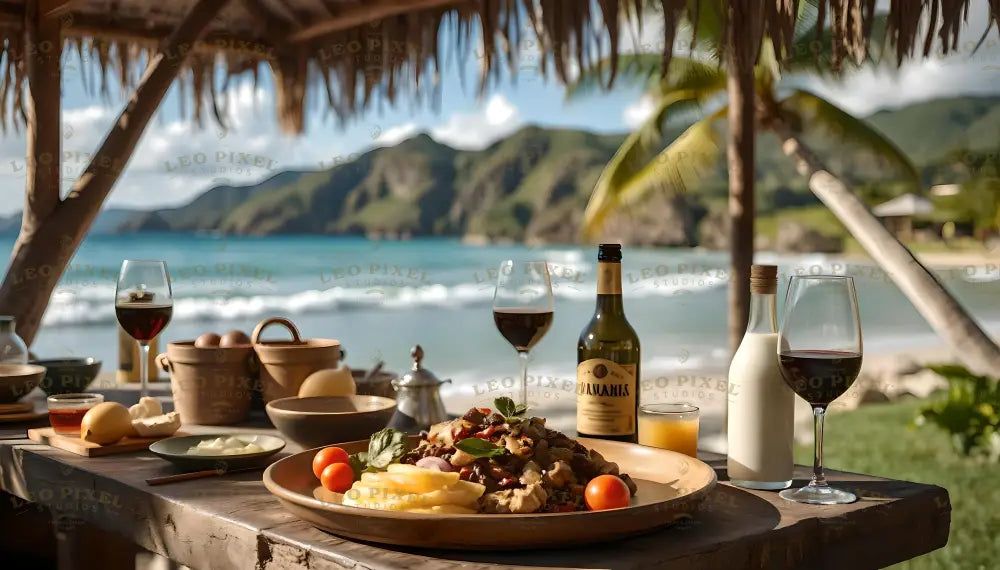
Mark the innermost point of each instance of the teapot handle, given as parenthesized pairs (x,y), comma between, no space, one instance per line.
(255,337)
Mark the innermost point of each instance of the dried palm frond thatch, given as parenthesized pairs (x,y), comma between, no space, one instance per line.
(346,55)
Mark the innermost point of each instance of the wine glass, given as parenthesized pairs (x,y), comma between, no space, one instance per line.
(819,353)
(523,309)
(143,305)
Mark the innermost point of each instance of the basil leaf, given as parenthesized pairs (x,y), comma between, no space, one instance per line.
(359,463)
(480,448)
(386,446)
(505,406)
(520,409)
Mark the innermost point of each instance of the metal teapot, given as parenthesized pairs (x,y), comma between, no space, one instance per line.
(418,397)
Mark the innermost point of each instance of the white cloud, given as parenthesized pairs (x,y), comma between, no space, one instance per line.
(637,113)
(175,160)
(476,130)
(397,134)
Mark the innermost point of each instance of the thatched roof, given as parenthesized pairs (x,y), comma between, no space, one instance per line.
(344,55)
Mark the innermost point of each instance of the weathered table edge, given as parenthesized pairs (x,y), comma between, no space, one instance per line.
(271,549)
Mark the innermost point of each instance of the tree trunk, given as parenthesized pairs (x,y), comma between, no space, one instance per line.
(970,344)
(741,49)
(50,236)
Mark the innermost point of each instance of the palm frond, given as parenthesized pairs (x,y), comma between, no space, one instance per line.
(682,162)
(842,126)
(644,70)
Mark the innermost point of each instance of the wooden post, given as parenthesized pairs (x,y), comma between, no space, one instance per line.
(40,255)
(42,56)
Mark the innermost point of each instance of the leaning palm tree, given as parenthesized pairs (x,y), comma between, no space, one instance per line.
(639,168)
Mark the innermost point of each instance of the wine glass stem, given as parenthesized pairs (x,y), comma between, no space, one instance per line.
(523,357)
(143,368)
(818,479)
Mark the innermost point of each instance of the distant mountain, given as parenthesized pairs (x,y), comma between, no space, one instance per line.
(107,222)
(534,185)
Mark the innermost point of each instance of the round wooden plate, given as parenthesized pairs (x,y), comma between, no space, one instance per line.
(671,486)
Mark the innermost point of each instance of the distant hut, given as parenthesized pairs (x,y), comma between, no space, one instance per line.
(898,214)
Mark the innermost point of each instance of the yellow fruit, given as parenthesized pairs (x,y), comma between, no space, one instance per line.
(106,423)
(329,382)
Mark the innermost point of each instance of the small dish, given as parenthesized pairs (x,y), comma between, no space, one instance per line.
(16,380)
(323,420)
(68,375)
(174,450)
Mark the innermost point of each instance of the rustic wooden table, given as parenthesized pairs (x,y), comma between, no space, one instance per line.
(233,522)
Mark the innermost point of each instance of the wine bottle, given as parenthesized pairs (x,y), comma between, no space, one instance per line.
(607,372)
(761,405)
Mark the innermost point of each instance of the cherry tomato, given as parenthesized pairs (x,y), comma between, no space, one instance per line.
(328,456)
(337,477)
(606,492)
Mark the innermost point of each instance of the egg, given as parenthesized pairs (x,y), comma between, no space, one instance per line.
(329,382)
(106,423)
(207,340)
(234,338)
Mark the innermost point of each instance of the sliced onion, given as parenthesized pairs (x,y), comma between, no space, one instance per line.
(435,463)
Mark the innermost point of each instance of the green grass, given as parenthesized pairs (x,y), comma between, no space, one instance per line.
(877,440)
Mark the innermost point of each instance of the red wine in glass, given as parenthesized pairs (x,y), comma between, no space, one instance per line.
(819,376)
(522,328)
(143,321)
(143,304)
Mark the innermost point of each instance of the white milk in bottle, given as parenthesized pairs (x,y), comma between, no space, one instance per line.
(761,405)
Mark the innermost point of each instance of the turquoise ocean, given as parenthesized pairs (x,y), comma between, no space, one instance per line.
(379,298)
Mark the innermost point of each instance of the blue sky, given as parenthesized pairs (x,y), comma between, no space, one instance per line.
(176,161)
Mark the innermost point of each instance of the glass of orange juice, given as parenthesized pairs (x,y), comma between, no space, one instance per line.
(669,426)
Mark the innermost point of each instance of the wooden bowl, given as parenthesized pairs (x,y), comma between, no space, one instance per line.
(68,375)
(671,486)
(174,450)
(16,380)
(322,420)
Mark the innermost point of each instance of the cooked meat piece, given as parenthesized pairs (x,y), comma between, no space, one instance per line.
(542,452)
(562,441)
(474,416)
(495,419)
(560,453)
(533,429)
(531,473)
(559,475)
(603,466)
(517,501)
(516,446)
(632,488)
(447,433)
(461,458)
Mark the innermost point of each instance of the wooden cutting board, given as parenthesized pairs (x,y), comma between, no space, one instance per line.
(74,444)
(16,408)
(22,417)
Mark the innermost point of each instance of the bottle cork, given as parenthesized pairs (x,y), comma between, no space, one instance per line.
(764,279)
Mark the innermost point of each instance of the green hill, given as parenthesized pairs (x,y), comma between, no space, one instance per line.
(534,184)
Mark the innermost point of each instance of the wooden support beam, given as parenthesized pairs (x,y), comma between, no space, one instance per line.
(39,258)
(43,53)
(353,15)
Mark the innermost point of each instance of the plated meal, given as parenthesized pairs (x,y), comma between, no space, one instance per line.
(488,462)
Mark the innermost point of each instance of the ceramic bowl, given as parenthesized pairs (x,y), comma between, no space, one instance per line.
(174,450)
(16,380)
(322,420)
(68,375)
